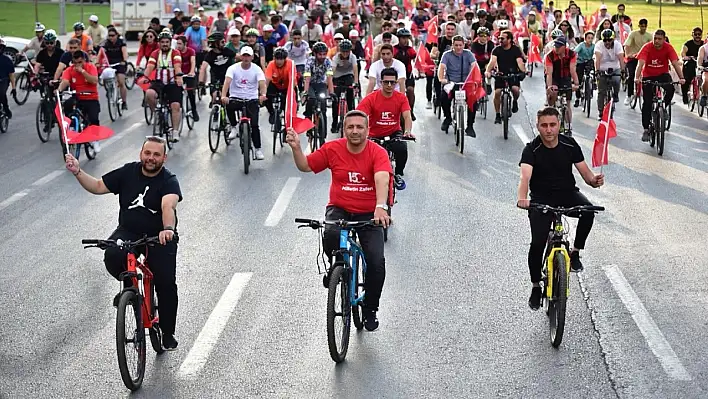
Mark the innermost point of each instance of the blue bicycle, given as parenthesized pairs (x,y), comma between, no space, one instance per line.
(345,296)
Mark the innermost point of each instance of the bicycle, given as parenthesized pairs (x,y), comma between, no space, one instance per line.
(342,105)
(555,275)
(658,123)
(130,75)
(694,97)
(188,113)
(25,82)
(77,123)
(44,116)
(113,98)
(346,283)
(278,128)
(587,87)
(609,90)
(385,142)
(506,99)
(317,135)
(459,111)
(140,296)
(245,139)
(636,98)
(162,116)
(217,121)
(562,106)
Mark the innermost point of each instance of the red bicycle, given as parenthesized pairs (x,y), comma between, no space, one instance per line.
(636,97)
(342,104)
(140,298)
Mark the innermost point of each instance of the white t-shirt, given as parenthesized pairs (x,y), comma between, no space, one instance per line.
(297,54)
(378,66)
(378,40)
(244,82)
(577,23)
(611,57)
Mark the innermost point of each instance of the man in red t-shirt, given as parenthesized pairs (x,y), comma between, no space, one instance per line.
(654,59)
(385,108)
(361,175)
(167,64)
(82,77)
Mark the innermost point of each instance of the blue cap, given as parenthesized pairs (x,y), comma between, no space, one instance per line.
(560,42)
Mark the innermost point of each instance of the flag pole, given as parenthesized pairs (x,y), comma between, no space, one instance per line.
(292,96)
(61,123)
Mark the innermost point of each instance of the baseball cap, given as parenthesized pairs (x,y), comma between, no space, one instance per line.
(272,12)
(200,9)
(239,19)
(234,31)
(532,12)
(318,3)
(394,8)
(93,18)
(247,50)
(353,33)
(338,36)
(300,8)
(603,7)
(560,42)
(267,28)
(177,10)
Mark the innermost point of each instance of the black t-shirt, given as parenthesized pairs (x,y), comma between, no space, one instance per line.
(482,53)
(114,51)
(692,48)
(140,197)
(175,22)
(552,167)
(506,59)
(444,44)
(50,62)
(219,63)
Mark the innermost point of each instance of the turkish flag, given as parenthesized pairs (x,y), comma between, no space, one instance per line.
(432,28)
(369,50)
(69,136)
(534,53)
(520,29)
(605,131)
(300,125)
(623,34)
(247,18)
(423,62)
(473,86)
(64,122)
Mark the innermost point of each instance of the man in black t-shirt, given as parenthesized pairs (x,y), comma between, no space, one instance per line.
(148,195)
(48,58)
(507,59)
(66,58)
(689,54)
(117,53)
(547,169)
(482,22)
(219,58)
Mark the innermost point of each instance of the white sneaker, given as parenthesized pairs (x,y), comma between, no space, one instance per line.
(429,105)
(96,146)
(259,154)
(626,101)
(234,133)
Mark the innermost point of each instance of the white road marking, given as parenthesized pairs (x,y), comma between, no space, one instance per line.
(520,132)
(120,135)
(14,198)
(281,204)
(49,177)
(214,326)
(485,173)
(691,139)
(654,337)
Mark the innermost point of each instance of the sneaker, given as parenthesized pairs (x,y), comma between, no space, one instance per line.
(172,137)
(195,116)
(445,124)
(575,264)
(116,299)
(259,154)
(626,101)
(399,182)
(704,100)
(125,106)
(96,146)
(429,105)
(169,343)
(412,116)
(234,133)
(497,119)
(371,323)
(645,135)
(576,104)
(515,106)
(535,298)
(470,131)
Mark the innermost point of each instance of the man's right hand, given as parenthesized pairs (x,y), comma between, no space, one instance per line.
(225,100)
(523,203)
(292,138)
(72,164)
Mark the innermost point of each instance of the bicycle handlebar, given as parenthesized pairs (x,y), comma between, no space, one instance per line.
(103,244)
(390,139)
(345,224)
(563,210)
(656,83)
(507,76)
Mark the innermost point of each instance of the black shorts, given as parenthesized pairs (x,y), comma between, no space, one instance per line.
(563,83)
(410,81)
(171,92)
(120,69)
(499,84)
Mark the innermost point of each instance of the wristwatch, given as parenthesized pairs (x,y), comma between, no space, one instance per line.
(382,206)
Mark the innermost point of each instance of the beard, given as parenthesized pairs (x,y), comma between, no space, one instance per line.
(152,166)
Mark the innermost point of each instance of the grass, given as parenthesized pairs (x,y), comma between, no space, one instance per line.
(17,18)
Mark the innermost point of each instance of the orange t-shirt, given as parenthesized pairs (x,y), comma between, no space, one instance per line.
(279,76)
(84,38)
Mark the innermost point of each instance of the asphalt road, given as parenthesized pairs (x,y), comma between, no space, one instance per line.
(454,318)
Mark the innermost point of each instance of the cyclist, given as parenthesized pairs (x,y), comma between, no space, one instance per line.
(259,57)
(359,194)
(218,59)
(654,59)
(277,81)
(65,60)
(189,62)
(245,81)
(455,65)
(297,51)
(508,60)
(197,39)
(97,32)
(406,54)
(546,169)
(82,77)
(386,61)
(148,44)
(561,72)
(585,52)
(482,22)
(689,54)
(148,194)
(47,60)
(235,44)
(385,107)
(634,43)
(318,76)
(167,63)
(85,40)
(7,78)
(482,48)
(37,42)
(609,57)
(117,52)
(703,60)
(345,73)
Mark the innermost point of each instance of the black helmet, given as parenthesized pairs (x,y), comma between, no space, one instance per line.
(482,30)
(607,34)
(345,45)
(403,32)
(280,53)
(481,13)
(319,47)
(216,37)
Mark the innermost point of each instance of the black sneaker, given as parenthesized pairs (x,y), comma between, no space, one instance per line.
(169,343)
(645,135)
(445,125)
(371,323)
(576,104)
(195,116)
(575,264)
(125,106)
(116,299)
(515,106)
(535,298)
(703,101)
(412,116)
(399,182)
(470,131)
(497,119)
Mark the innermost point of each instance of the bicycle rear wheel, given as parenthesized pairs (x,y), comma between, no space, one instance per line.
(23,89)
(129,76)
(110,100)
(660,131)
(359,281)
(43,120)
(155,332)
(461,111)
(558,301)
(214,128)
(130,340)
(4,123)
(245,129)
(338,314)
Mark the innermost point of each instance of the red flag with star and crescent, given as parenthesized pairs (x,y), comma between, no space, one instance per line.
(300,125)
(605,131)
(432,28)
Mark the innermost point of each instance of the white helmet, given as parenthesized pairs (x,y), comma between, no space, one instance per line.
(503,24)
(38,27)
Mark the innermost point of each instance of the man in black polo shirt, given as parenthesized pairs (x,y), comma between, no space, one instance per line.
(148,194)
(547,169)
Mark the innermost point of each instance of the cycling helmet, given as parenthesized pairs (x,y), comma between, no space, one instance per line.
(345,45)
(165,34)
(38,27)
(319,47)
(252,32)
(50,36)
(607,34)
(556,33)
(403,32)
(281,53)
(503,24)
(216,37)
(78,25)
(195,19)
(481,13)
(482,30)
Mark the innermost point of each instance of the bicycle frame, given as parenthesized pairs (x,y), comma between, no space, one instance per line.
(134,265)
(557,242)
(351,251)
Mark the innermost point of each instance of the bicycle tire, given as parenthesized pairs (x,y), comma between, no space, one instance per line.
(338,277)
(484,107)
(245,145)
(633,102)
(43,121)
(700,110)
(312,133)
(155,332)
(588,97)
(167,127)
(276,126)
(660,131)
(359,281)
(692,102)
(129,76)
(557,305)
(129,299)
(668,116)
(188,113)
(23,89)
(505,116)
(112,112)
(321,130)
(148,113)
(214,128)
(461,111)
(653,127)
(4,123)
(90,151)
(530,69)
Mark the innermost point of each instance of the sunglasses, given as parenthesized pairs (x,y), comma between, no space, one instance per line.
(608,40)
(150,37)
(111,35)
(388,82)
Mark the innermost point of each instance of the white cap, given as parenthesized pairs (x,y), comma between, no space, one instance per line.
(177,10)
(532,13)
(200,9)
(338,36)
(93,18)
(300,8)
(353,33)
(267,28)
(247,50)
(603,7)
(239,19)
(318,3)
(394,8)
(234,31)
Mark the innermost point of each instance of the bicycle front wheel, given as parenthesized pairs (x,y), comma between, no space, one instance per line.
(276,127)
(4,123)
(129,76)
(155,332)
(90,151)
(338,314)
(245,129)
(23,89)
(359,280)
(660,130)
(130,340)
(188,116)
(588,97)
(461,111)
(148,113)
(505,116)
(110,100)
(43,120)
(558,301)
(214,129)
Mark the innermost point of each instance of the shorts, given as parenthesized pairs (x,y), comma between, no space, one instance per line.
(120,69)
(171,92)
(410,81)
(499,84)
(563,83)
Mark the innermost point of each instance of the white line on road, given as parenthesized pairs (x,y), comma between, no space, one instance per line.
(121,134)
(691,139)
(654,337)
(14,198)
(485,173)
(49,177)
(208,337)
(281,204)
(520,132)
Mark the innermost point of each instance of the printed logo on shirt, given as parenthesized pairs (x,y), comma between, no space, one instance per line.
(355,177)
(138,201)
(357,182)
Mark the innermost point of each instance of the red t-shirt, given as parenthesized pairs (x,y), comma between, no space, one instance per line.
(384,112)
(78,82)
(656,61)
(186,56)
(353,187)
